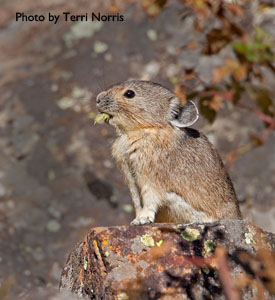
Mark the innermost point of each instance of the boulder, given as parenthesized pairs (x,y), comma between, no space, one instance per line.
(229,259)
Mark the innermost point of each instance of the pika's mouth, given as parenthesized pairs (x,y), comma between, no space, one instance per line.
(103,104)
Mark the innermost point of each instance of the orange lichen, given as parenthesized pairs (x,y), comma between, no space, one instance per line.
(131,258)
(159,268)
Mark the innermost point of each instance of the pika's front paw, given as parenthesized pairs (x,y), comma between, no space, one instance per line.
(143,219)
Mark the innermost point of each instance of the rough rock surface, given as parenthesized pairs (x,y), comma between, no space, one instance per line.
(164,261)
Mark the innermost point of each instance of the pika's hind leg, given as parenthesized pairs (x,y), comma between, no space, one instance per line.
(151,201)
(184,212)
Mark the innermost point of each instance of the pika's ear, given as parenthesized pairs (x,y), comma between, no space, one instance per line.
(183,115)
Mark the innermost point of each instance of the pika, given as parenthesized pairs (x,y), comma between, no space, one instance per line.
(173,172)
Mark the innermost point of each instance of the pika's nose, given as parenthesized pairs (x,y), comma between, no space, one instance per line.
(100,96)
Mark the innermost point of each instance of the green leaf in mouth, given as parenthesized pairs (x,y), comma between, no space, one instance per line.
(102,117)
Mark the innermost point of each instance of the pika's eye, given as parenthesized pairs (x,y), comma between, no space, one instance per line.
(129,94)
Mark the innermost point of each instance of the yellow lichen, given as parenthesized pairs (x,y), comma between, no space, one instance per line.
(147,240)
(122,296)
(190,234)
(208,246)
(159,243)
(205,270)
(85,266)
(249,236)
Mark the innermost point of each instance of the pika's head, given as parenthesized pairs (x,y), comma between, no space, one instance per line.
(140,104)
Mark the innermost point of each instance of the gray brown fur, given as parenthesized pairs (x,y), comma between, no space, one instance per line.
(173,172)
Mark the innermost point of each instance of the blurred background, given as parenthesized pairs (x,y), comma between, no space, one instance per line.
(57,176)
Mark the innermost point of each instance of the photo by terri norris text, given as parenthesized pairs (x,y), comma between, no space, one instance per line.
(68,17)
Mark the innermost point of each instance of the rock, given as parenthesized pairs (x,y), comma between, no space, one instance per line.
(81,30)
(171,261)
(53,226)
(100,47)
